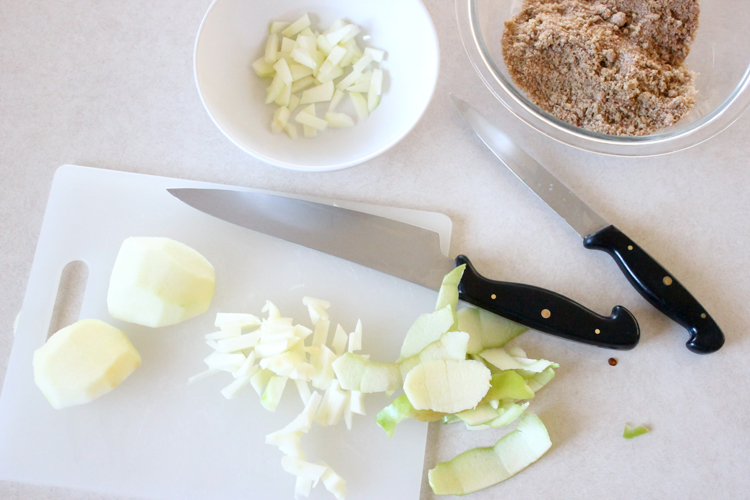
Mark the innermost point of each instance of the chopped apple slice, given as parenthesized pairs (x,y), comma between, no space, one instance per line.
(339,120)
(332,61)
(302,57)
(354,31)
(302,84)
(284,97)
(480,468)
(336,72)
(321,93)
(447,386)
(277,27)
(262,68)
(272,48)
(336,25)
(272,394)
(311,120)
(355,338)
(159,282)
(361,65)
(297,26)
(299,71)
(340,338)
(82,362)
(293,103)
(349,80)
(376,82)
(360,105)
(291,130)
(334,483)
(373,101)
(377,54)
(287,45)
(362,84)
(337,96)
(275,89)
(323,44)
(338,35)
(282,68)
(307,44)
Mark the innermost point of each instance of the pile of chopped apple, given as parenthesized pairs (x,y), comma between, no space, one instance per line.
(310,67)
(266,354)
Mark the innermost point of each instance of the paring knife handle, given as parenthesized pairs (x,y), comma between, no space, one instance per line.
(660,288)
(548,311)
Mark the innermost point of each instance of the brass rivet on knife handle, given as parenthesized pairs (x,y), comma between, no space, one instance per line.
(546,313)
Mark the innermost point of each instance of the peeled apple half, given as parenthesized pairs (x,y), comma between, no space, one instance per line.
(83,362)
(159,282)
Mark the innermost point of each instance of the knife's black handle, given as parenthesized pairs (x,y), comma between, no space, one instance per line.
(660,288)
(548,311)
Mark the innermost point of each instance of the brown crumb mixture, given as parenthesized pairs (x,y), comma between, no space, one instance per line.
(609,66)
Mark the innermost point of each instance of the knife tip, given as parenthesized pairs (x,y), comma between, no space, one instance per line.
(460,103)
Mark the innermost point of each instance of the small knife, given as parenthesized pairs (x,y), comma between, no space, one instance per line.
(651,280)
(411,253)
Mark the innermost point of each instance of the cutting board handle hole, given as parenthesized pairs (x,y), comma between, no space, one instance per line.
(69,296)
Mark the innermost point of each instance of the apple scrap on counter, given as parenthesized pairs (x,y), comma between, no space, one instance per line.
(308,68)
(154,282)
(453,367)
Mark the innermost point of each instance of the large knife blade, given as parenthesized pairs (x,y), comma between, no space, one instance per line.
(650,279)
(411,253)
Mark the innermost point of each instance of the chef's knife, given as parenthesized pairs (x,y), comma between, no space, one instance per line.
(411,253)
(651,280)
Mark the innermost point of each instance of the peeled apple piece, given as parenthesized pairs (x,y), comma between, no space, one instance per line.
(357,373)
(401,409)
(487,330)
(452,345)
(447,386)
(83,362)
(508,385)
(159,282)
(538,380)
(480,468)
(427,329)
(501,359)
(629,433)
(448,294)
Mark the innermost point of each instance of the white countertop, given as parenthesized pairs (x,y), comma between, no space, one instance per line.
(110,85)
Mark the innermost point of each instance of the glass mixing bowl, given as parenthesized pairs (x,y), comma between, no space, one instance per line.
(720,55)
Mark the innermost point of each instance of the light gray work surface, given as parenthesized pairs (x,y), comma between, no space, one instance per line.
(110,85)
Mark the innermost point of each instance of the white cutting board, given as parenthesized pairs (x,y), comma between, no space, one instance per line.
(155,436)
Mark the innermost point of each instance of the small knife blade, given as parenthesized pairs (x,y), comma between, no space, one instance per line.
(646,275)
(411,253)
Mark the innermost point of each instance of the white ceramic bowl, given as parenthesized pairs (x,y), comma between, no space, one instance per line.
(232,36)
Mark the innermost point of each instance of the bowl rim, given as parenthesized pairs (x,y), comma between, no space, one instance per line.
(327,168)
(669,141)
